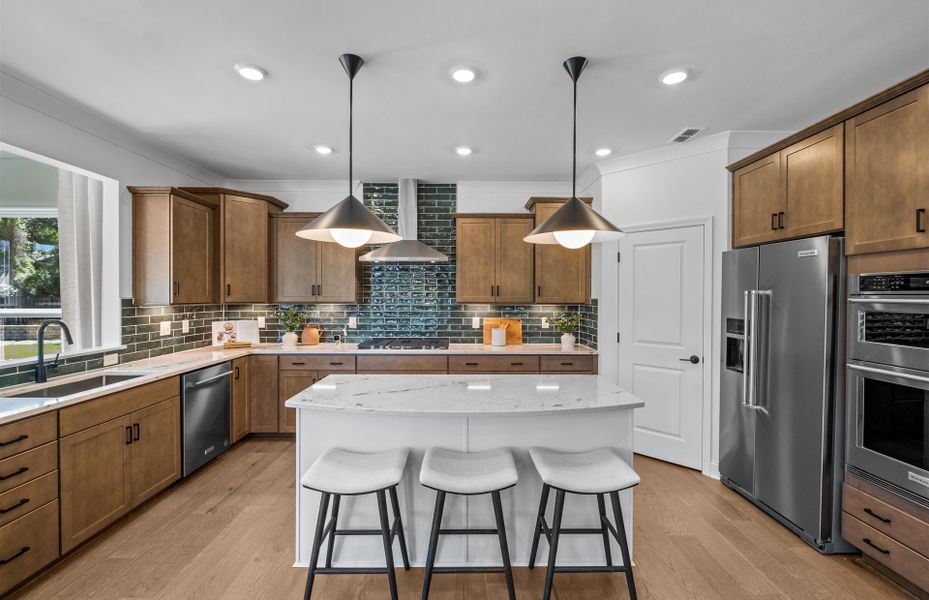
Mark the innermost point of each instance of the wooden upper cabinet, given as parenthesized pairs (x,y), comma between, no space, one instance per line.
(514,258)
(494,264)
(562,275)
(174,241)
(245,249)
(474,250)
(814,184)
(339,274)
(757,202)
(887,176)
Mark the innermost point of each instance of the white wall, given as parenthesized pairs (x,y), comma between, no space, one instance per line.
(39,122)
(687,181)
(303,195)
(505,196)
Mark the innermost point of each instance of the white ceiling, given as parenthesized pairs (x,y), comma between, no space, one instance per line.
(163,69)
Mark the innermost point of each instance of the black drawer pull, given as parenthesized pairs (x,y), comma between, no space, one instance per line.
(22,551)
(878,548)
(298,363)
(22,501)
(336,363)
(877,516)
(18,471)
(24,436)
(567,364)
(516,364)
(467,364)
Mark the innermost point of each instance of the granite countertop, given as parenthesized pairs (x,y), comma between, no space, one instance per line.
(170,365)
(464,395)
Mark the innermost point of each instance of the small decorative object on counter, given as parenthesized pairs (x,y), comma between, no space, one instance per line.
(291,319)
(311,334)
(498,336)
(567,324)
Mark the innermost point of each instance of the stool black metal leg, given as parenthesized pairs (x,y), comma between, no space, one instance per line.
(543,504)
(504,549)
(388,543)
(553,544)
(336,501)
(317,543)
(433,541)
(395,505)
(623,543)
(601,506)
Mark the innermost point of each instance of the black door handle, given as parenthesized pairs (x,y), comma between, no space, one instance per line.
(135,426)
(780,220)
(694,359)
(128,434)
(773,221)
(920,227)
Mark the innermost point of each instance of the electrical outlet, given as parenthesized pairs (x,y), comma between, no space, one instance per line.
(352,322)
(185,326)
(110,359)
(261,322)
(545,323)
(165,328)
(475,322)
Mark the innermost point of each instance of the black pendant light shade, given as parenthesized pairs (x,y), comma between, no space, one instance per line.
(575,224)
(349,223)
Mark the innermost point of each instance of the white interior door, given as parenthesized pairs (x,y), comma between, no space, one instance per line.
(661,313)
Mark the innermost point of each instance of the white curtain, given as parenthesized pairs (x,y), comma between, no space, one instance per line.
(80,238)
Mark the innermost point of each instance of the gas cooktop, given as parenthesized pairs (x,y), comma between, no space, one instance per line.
(404,344)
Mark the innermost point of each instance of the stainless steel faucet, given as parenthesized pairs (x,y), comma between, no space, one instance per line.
(41,375)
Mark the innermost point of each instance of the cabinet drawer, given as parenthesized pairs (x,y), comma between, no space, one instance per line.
(887,551)
(515,363)
(106,408)
(567,364)
(889,520)
(28,497)
(27,434)
(318,362)
(24,467)
(28,544)
(432,363)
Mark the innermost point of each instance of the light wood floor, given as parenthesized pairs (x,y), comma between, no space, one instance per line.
(228,532)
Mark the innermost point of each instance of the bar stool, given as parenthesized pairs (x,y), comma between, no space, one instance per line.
(598,472)
(468,474)
(338,473)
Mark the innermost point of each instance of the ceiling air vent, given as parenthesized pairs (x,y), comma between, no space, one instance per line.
(685,135)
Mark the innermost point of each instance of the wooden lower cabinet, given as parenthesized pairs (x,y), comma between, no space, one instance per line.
(28,544)
(262,394)
(239,426)
(155,451)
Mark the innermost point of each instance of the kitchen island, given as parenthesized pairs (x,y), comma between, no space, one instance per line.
(467,413)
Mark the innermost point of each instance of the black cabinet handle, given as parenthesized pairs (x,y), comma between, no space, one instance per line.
(237,372)
(498,290)
(491,289)
(877,516)
(336,363)
(21,437)
(177,288)
(22,501)
(539,291)
(878,548)
(22,551)
(516,364)
(773,221)
(567,364)
(128,434)
(467,364)
(18,471)
(780,220)
(319,289)
(296,364)
(135,426)
(920,227)
(228,289)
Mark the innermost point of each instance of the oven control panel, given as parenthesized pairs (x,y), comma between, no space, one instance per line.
(894,282)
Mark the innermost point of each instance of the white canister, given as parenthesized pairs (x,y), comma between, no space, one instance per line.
(498,336)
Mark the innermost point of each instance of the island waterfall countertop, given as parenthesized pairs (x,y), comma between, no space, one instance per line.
(464,395)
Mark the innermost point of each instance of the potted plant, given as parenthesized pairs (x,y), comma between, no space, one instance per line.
(567,324)
(291,320)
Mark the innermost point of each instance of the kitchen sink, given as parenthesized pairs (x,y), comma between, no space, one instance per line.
(74,387)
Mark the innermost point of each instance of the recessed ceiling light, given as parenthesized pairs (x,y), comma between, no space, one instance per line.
(323,149)
(463,150)
(250,72)
(463,74)
(674,76)
(603,152)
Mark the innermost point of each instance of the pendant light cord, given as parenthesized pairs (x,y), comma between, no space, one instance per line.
(574,145)
(351,83)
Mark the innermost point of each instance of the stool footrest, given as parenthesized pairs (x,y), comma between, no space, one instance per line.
(471,531)
(349,570)
(590,569)
(468,570)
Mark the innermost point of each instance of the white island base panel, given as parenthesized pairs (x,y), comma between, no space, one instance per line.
(373,431)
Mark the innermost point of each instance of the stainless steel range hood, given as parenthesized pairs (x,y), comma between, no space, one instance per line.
(408,249)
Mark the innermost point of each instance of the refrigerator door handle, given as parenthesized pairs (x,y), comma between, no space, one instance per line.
(761,314)
(747,345)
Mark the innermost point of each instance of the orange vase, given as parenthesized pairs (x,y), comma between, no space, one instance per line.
(311,334)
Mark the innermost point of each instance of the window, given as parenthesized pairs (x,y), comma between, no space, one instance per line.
(58,256)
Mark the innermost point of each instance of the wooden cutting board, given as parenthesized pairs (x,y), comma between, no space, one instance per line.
(514,330)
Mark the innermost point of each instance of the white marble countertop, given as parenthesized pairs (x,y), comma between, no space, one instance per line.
(170,365)
(464,395)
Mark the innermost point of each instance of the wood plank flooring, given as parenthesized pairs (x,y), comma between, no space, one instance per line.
(228,532)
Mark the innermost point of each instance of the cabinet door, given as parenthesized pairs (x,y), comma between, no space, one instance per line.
(155,452)
(475,262)
(562,276)
(262,394)
(757,198)
(337,280)
(291,383)
(245,249)
(95,483)
(887,176)
(239,426)
(191,252)
(514,261)
(295,262)
(814,184)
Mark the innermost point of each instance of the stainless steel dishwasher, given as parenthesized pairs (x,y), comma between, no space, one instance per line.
(205,411)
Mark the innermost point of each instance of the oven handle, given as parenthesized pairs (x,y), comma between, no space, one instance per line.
(886,300)
(919,378)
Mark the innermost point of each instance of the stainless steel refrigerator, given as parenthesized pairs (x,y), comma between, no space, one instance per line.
(782,383)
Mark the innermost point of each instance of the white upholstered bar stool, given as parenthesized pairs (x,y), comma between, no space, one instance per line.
(468,474)
(599,472)
(338,473)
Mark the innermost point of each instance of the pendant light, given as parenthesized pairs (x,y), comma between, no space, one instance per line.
(349,223)
(575,224)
